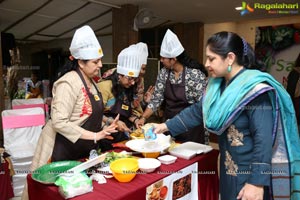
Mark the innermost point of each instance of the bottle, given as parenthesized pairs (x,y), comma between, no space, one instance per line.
(148,132)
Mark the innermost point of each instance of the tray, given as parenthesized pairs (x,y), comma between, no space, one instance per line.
(188,150)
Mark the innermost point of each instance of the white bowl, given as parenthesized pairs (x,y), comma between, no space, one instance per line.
(148,164)
(167,159)
(161,143)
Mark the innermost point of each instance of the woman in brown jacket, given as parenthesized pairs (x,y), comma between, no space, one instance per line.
(75,127)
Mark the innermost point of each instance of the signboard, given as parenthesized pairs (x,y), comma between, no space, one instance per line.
(278,47)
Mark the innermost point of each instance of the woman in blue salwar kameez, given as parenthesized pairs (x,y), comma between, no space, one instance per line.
(253,116)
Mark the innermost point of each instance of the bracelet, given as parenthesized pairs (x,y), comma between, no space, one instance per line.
(135,119)
(95,137)
(144,118)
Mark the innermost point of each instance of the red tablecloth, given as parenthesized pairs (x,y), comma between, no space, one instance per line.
(208,187)
(6,190)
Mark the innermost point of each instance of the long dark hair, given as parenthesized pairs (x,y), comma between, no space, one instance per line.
(224,42)
(118,89)
(71,65)
(186,60)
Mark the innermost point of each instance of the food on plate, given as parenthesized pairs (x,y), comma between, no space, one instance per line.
(158,193)
(182,186)
(154,195)
(163,192)
(112,156)
(137,134)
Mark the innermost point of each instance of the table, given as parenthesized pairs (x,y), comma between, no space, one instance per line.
(6,189)
(208,182)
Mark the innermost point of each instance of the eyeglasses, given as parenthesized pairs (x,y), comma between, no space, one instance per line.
(131,78)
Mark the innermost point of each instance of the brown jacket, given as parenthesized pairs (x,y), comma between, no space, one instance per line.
(69,110)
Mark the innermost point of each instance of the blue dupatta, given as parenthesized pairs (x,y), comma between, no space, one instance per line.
(220,110)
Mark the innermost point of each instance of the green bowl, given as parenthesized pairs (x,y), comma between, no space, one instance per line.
(48,173)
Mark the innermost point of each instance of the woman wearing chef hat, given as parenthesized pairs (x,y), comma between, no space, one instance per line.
(179,84)
(143,97)
(75,127)
(119,90)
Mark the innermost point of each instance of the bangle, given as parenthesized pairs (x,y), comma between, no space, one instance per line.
(144,118)
(95,137)
(135,119)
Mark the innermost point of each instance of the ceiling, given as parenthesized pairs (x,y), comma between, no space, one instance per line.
(42,20)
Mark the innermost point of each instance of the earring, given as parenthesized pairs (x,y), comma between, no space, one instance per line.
(229,68)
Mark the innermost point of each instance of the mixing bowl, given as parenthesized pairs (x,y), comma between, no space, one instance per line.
(124,169)
(150,154)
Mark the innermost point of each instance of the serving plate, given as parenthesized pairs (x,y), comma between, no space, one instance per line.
(158,145)
(47,174)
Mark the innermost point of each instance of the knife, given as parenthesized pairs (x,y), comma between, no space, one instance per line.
(84,166)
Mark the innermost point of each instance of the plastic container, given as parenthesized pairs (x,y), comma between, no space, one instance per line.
(188,150)
(124,169)
(148,132)
(183,153)
(167,159)
(148,165)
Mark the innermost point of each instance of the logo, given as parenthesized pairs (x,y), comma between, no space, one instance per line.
(100,51)
(270,8)
(278,8)
(130,73)
(246,8)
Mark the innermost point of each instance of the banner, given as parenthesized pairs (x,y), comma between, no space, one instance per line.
(278,47)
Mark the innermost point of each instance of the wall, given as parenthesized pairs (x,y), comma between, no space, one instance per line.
(64,44)
(245,29)
(35,55)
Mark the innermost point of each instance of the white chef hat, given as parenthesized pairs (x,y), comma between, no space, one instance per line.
(170,46)
(85,45)
(129,62)
(143,49)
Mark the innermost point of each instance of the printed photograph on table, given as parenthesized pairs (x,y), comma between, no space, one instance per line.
(180,185)
(157,191)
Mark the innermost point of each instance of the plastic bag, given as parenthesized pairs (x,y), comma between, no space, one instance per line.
(74,185)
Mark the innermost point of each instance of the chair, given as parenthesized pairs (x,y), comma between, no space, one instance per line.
(21,131)
(31,103)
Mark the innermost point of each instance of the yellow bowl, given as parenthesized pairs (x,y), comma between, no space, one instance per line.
(150,154)
(124,169)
